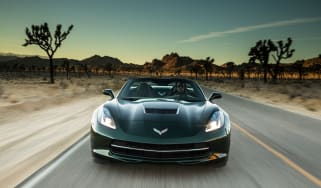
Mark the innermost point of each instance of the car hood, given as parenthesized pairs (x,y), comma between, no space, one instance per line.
(161,119)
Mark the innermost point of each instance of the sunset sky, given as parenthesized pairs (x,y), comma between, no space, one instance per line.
(136,31)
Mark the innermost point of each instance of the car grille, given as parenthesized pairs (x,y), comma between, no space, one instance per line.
(160,151)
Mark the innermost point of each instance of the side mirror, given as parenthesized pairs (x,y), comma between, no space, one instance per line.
(109,92)
(215,95)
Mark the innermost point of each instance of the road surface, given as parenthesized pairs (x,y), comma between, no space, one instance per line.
(269,148)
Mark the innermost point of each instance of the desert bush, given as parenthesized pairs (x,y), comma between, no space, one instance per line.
(283,90)
(311,107)
(63,85)
(257,87)
(1,90)
(13,99)
(81,83)
(306,85)
(293,95)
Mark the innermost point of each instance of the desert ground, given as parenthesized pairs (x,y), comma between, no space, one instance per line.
(298,96)
(39,120)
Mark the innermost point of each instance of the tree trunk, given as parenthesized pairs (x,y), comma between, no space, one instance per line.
(266,67)
(265,73)
(52,81)
(67,70)
(276,71)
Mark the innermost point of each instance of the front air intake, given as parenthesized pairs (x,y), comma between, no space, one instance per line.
(160,111)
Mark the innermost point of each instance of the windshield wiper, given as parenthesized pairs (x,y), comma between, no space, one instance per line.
(190,100)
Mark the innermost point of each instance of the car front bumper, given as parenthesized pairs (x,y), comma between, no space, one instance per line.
(176,152)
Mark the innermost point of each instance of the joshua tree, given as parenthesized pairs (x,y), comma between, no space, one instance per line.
(230,69)
(208,66)
(66,66)
(298,66)
(189,67)
(282,51)
(108,67)
(178,71)
(241,69)
(317,69)
(261,51)
(41,36)
(196,68)
(157,66)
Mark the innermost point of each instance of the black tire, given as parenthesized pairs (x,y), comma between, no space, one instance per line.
(99,158)
(221,162)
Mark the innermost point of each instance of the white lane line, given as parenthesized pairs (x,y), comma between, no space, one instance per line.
(288,161)
(51,166)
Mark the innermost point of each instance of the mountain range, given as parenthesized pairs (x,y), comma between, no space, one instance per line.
(168,62)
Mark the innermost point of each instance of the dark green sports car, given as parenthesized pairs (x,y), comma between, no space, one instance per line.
(161,120)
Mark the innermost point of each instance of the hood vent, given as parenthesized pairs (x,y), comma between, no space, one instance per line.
(160,111)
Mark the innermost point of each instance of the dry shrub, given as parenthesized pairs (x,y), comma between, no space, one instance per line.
(312,105)
(257,87)
(311,108)
(81,83)
(116,84)
(293,95)
(63,85)
(1,91)
(13,99)
(306,85)
(284,90)
(242,85)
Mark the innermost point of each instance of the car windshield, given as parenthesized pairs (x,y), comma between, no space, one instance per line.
(162,89)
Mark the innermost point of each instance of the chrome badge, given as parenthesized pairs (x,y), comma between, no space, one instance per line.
(160,132)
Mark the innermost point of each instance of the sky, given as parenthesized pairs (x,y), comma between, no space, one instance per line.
(137,31)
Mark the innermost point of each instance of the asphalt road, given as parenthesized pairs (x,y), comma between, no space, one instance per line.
(270,148)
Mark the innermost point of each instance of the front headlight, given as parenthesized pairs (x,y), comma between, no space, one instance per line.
(216,121)
(107,120)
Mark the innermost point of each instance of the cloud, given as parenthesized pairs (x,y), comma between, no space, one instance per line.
(250,28)
(309,38)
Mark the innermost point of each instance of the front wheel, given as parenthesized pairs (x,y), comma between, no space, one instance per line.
(99,158)
(221,162)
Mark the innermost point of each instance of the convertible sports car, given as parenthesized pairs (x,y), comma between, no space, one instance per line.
(161,120)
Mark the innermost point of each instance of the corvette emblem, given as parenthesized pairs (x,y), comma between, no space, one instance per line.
(160,132)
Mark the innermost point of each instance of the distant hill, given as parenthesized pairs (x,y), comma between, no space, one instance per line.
(311,62)
(11,56)
(8,62)
(31,61)
(173,60)
(170,62)
(7,58)
(98,60)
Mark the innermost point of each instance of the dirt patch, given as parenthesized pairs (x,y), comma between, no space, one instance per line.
(18,97)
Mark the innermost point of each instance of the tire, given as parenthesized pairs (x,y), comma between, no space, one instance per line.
(222,162)
(99,158)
